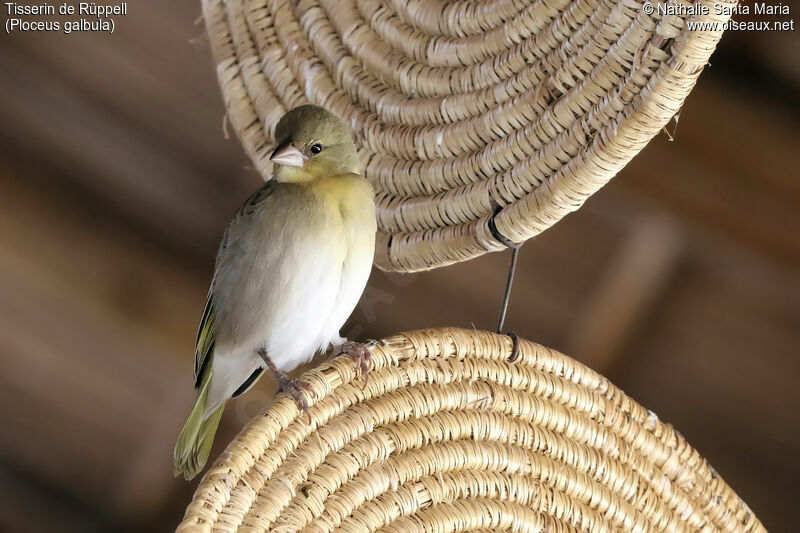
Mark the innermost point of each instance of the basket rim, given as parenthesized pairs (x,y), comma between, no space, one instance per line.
(549,410)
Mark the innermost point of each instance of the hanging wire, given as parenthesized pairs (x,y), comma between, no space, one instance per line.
(509,282)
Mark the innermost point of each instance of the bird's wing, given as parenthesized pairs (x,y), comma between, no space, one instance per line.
(206,332)
(205,340)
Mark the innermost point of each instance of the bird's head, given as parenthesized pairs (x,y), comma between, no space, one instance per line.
(312,143)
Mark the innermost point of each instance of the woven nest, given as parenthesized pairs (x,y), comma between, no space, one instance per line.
(450,436)
(463,110)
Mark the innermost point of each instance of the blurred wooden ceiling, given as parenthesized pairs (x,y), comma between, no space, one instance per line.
(679,280)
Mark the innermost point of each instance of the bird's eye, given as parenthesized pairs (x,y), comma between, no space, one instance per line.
(315,148)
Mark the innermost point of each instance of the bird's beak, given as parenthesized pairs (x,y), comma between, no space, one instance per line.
(288,155)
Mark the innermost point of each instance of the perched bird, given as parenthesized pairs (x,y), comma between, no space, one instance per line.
(291,267)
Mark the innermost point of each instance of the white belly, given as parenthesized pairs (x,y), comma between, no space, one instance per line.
(288,288)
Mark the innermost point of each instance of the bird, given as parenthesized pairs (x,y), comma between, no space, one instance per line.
(291,267)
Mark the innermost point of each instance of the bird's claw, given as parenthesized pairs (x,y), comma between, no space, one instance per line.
(362,356)
(293,387)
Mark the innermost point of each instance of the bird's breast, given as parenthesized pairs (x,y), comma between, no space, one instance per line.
(350,201)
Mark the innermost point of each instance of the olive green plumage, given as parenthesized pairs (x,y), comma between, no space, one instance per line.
(291,267)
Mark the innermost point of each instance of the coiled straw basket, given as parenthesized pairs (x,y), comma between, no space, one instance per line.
(480,123)
(450,436)
(466,112)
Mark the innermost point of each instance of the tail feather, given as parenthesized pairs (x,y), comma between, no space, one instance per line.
(197,436)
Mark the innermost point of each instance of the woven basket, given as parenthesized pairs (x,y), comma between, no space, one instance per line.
(450,436)
(480,123)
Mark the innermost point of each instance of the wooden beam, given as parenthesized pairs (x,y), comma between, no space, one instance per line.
(97,331)
(629,288)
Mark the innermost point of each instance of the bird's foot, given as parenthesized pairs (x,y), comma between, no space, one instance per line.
(298,389)
(361,354)
(292,386)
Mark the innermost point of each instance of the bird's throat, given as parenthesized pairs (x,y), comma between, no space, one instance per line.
(287,174)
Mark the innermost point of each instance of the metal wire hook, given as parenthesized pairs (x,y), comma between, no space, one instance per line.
(509,282)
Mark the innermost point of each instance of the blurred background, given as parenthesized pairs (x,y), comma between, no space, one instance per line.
(679,280)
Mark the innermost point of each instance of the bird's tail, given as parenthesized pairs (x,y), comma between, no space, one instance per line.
(197,436)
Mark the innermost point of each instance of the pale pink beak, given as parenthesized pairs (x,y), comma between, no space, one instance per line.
(288,155)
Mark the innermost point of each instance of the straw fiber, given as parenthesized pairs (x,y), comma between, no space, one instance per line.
(463,110)
(448,436)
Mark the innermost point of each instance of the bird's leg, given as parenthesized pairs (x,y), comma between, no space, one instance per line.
(361,354)
(292,386)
